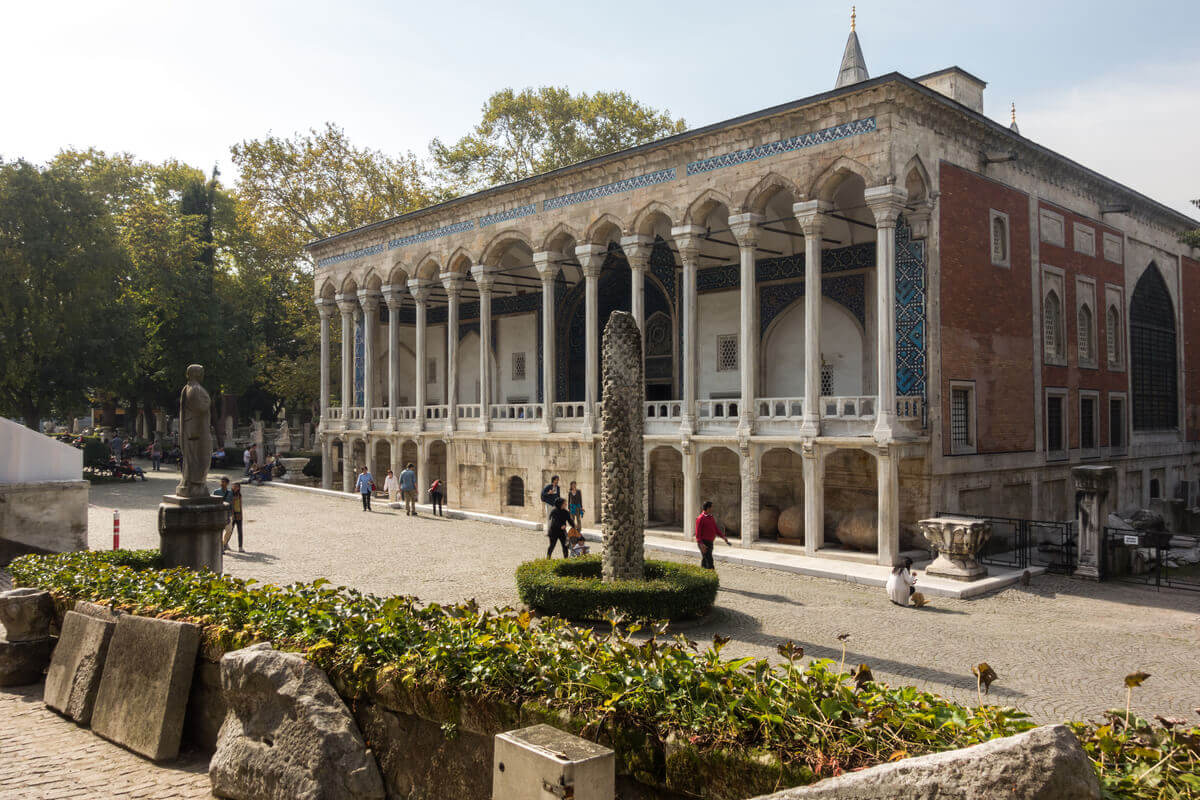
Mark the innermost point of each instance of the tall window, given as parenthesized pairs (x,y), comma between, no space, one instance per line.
(1055,439)
(727,352)
(1085,333)
(1052,321)
(1116,423)
(962,423)
(1087,423)
(516,491)
(1112,333)
(999,225)
(518,366)
(1152,354)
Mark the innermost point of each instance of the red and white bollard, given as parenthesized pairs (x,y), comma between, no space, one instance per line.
(116,529)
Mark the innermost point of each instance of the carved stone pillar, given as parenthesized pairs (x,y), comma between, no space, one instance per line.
(325,309)
(547,266)
(687,238)
(886,203)
(745,230)
(394,296)
(591,259)
(420,294)
(484,281)
(1094,488)
(453,283)
(813,465)
(637,251)
(348,307)
(811,217)
(691,488)
(750,474)
(369,301)
(326,463)
(888,501)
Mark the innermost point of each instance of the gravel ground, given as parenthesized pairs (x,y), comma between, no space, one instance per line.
(1061,646)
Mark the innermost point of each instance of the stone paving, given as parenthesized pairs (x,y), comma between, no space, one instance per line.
(1061,646)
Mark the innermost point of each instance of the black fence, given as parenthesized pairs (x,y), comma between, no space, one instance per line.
(1023,543)
(1151,558)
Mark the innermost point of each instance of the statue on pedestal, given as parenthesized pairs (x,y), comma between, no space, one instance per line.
(195,440)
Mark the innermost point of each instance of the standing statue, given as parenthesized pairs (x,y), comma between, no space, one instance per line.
(622,452)
(195,439)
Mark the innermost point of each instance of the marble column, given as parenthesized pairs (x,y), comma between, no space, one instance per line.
(887,467)
(453,283)
(369,302)
(485,281)
(813,465)
(886,203)
(591,259)
(326,463)
(1094,485)
(811,216)
(745,229)
(751,473)
(325,309)
(348,466)
(394,297)
(637,251)
(421,296)
(348,307)
(547,264)
(688,238)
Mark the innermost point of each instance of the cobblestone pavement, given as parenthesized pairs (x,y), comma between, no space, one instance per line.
(1061,646)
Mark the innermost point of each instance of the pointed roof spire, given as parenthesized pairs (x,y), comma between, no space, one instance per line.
(854,66)
(1013,127)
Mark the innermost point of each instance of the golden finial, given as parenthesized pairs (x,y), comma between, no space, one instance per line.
(1014,113)
(853,14)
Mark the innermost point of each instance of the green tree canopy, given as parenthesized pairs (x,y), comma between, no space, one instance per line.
(64,318)
(1192,237)
(538,130)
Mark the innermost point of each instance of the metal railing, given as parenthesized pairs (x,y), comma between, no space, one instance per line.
(1152,558)
(1021,543)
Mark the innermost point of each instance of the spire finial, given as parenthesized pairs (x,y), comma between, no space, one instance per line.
(1014,113)
(853,15)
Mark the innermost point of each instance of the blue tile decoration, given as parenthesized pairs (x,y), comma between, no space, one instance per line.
(595,192)
(359,345)
(436,233)
(804,140)
(365,251)
(848,290)
(786,268)
(910,313)
(505,216)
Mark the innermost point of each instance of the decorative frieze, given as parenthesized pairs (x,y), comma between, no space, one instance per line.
(804,140)
(618,187)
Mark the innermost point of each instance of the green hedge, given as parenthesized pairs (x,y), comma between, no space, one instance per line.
(95,450)
(313,468)
(677,715)
(572,588)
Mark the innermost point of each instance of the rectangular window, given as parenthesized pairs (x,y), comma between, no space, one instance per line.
(1116,423)
(727,352)
(1055,440)
(1087,423)
(962,417)
(518,366)
(998,222)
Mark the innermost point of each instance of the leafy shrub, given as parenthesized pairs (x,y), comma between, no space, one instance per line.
(1137,760)
(94,450)
(572,588)
(313,468)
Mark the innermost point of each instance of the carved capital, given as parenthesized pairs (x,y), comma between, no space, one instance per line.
(393,295)
(886,202)
(745,228)
(419,291)
(347,304)
(1093,480)
(637,250)
(369,300)
(453,281)
(325,308)
(591,259)
(811,216)
(547,263)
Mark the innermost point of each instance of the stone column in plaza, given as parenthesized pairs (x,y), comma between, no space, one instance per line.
(420,294)
(394,297)
(547,266)
(369,301)
(886,203)
(745,229)
(484,281)
(637,251)
(348,307)
(349,469)
(691,487)
(325,309)
(750,473)
(622,452)
(687,239)
(591,260)
(453,282)
(887,467)
(326,463)
(811,216)
(1094,487)
(813,464)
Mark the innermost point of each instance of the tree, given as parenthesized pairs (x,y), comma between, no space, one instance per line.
(538,130)
(64,321)
(1192,238)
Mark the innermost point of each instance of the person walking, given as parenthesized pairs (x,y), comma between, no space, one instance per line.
(436,493)
(575,505)
(408,489)
(225,493)
(156,454)
(556,527)
(365,485)
(117,446)
(235,514)
(391,486)
(901,583)
(707,532)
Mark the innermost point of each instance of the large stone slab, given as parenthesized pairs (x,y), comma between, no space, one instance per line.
(23,663)
(26,614)
(145,683)
(287,734)
(77,665)
(1045,763)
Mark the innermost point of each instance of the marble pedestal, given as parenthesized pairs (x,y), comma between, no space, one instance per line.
(958,541)
(189,531)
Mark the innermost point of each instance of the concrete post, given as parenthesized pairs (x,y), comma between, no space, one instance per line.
(1094,486)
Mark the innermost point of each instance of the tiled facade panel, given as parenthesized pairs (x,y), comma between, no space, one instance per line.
(1103,271)
(986,319)
(1191,341)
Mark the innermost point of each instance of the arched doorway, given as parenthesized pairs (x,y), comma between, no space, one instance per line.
(781,496)
(843,371)
(851,500)
(720,482)
(437,470)
(382,461)
(665,480)
(1152,354)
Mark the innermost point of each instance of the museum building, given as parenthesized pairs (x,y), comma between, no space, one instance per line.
(858,309)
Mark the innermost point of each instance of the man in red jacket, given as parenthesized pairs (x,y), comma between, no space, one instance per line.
(706,534)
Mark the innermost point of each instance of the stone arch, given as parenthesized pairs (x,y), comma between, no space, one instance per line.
(604,230)
(720,482)
(399,273)
(782,348)
(327,290)
(645,219)
(409,454)
(372,281)
(428,268)
(349,286)
(557,238)
(664,480)
(437,470)
(827,183)
(916,180)
(381,459)
(460,261)
(771,184)
(781,489)
(1153,353)
(851,499)
(496,247)
(702,206)
(515,491)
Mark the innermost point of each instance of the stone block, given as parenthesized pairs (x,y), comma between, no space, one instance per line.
(97,610)
(76,666)
(26,614)
(1045,763)
(145,684)
(288,734)
(206,706)
(22,663)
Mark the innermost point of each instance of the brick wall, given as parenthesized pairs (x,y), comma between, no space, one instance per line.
(1191,345)
(986,319)
(1100,379)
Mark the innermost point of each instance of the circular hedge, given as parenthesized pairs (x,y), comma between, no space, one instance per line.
(572,588)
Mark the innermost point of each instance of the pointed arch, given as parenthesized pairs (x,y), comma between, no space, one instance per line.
(399,274)
(372,280)
(1152,353)
(643,221)
(556,238)
(460,261)
(607,228)
(327,290)
(703,205)
(428,267)
(826,185)
(495,248)
(349,285)
(771,184)
(916,180)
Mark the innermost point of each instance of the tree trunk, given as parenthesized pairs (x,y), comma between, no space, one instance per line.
(33,416)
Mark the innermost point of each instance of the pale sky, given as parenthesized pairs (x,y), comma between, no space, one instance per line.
(1112,84)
